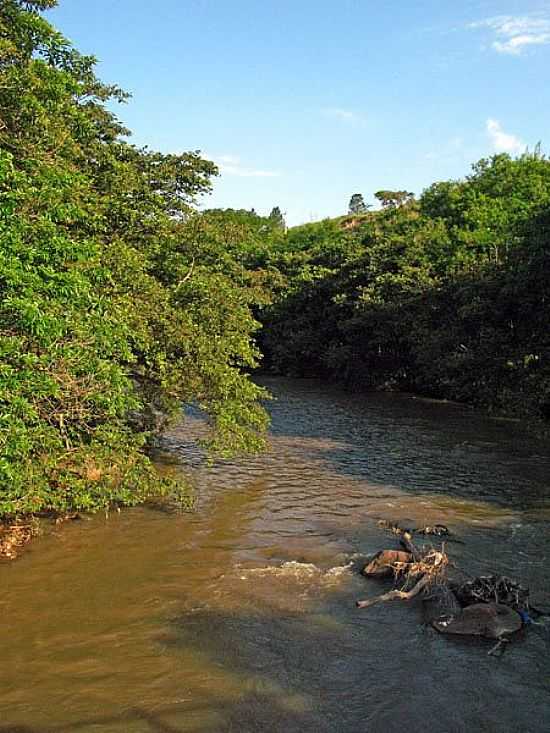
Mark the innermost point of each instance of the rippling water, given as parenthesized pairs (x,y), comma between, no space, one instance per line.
(241,617)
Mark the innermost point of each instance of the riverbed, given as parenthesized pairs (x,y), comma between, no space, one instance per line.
(241,616)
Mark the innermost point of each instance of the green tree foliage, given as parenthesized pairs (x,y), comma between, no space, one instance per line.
(277,218)
(118,301)
(393,199)
(357,204)
(109,303)
(447,296)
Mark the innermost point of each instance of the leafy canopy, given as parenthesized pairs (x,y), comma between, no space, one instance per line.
(111,308)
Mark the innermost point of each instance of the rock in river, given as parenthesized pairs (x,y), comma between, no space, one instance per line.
(491,620)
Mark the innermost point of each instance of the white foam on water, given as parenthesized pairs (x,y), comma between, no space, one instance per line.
(299,571)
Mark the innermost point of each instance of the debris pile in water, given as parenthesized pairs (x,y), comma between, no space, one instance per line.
(497,588)
(489,606)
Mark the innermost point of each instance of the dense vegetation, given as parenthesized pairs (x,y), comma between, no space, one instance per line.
(113,306)
(448,295)
(118,301)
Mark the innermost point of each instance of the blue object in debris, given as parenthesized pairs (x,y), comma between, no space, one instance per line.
(525,617)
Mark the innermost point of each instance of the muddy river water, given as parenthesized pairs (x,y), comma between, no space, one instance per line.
(241,616)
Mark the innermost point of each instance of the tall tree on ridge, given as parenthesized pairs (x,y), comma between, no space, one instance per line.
(357,204)
(277,217)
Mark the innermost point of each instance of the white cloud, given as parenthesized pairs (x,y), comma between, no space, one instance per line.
(516,44)
(230,165)
(344,115)
(515,33)
(503,142)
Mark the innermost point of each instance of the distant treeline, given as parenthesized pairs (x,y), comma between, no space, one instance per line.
(447,295)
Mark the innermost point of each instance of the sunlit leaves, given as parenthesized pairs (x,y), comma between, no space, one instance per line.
(97,322)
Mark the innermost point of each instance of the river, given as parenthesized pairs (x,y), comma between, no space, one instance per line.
(241,616)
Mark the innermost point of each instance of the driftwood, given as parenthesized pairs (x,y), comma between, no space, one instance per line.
(396,594)
(417,569)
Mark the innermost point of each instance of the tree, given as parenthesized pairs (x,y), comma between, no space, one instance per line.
(276,216)
(447,296)
(357,204)
(109,309)
(393,199)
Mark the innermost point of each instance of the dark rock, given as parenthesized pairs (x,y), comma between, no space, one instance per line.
(491,620)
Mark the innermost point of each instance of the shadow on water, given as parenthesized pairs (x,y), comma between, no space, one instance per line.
(237,720)
(325,671)
(152,723)
(336,669)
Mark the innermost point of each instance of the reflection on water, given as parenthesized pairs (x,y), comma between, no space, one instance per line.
(241,617)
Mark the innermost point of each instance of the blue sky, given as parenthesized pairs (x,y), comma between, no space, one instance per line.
(303,103)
